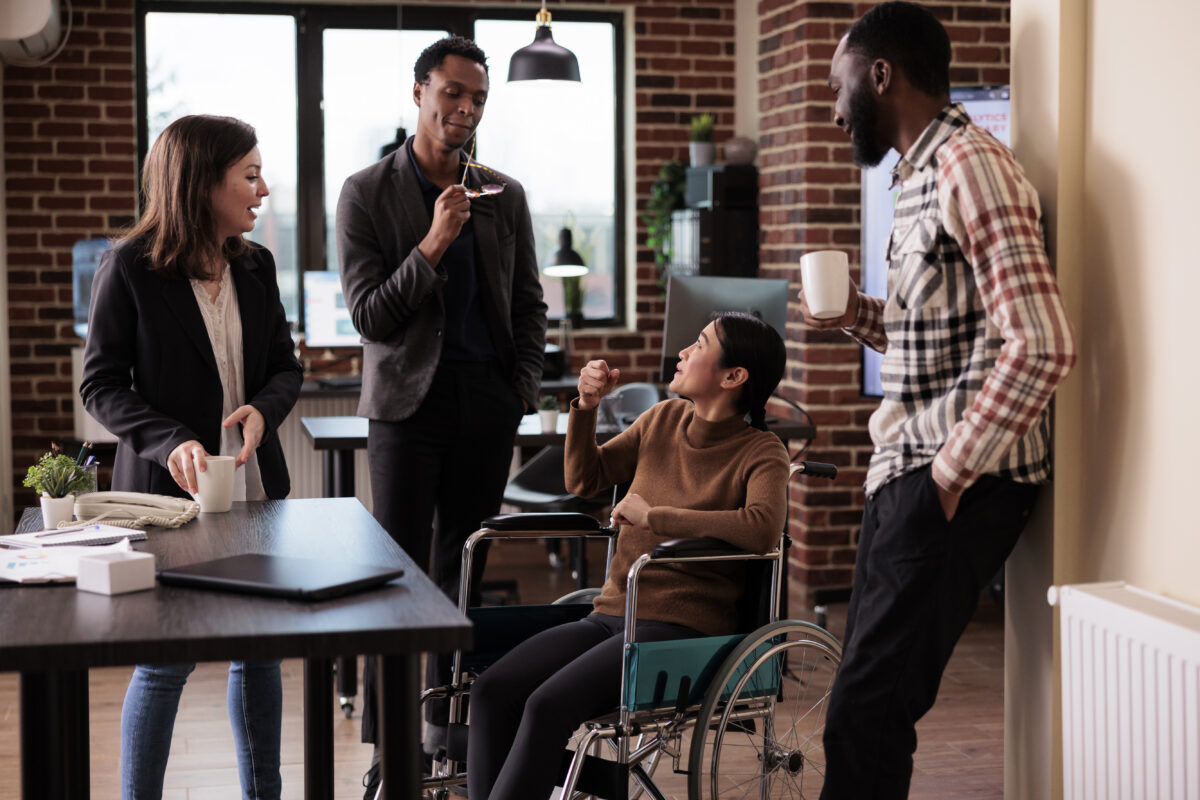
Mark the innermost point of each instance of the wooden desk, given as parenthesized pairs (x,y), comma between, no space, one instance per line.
(338,437)
(54,634)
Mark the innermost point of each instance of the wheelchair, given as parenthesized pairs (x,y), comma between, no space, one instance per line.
(736,716)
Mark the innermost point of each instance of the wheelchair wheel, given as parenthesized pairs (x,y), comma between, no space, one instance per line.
(767,742)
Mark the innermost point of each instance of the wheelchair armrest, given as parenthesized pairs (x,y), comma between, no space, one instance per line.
(686,548)
(548,521)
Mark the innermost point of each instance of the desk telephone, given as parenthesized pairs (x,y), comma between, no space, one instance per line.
(135,509)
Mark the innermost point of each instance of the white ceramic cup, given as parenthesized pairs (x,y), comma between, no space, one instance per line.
(825,275)
(215,485)
(549,419)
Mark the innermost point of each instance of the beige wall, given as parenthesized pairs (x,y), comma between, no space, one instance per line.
(1105,121)
(1142,170)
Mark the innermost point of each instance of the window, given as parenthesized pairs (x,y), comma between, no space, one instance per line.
(362,112)
(558,140)
(259,87)
(327,86)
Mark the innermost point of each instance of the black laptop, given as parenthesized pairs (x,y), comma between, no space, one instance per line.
(280,576)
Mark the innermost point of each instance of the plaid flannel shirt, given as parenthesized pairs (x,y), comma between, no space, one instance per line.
(974,334)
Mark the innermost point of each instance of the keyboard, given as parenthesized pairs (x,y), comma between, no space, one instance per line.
(341,382)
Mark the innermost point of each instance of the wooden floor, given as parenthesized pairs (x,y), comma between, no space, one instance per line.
(960,754)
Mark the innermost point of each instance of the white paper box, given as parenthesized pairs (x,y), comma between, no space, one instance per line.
(116,573)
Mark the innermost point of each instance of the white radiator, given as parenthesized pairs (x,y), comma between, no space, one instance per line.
(1130,694)
(304,463)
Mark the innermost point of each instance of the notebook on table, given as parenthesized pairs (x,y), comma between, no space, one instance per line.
(79,534)
(280,576)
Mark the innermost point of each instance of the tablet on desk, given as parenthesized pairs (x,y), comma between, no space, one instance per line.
(280,576)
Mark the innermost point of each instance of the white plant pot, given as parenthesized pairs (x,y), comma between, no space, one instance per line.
(702,154)
(549,421)
(56,510)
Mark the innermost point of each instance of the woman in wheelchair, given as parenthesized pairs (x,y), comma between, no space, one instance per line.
(697,469)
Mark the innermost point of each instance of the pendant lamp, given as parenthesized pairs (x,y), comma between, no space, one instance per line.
(543,59)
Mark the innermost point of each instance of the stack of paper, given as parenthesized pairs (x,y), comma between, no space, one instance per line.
(85,534)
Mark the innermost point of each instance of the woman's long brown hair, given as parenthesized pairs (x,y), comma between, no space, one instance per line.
(186,163)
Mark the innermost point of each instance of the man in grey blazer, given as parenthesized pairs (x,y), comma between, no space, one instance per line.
(444,289)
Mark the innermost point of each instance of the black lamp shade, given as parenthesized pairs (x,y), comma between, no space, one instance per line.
(544,59)
(564,262)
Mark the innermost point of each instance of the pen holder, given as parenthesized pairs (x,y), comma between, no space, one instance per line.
(116,573)
(92,469)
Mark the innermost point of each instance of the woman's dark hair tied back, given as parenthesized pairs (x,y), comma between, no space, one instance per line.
(748,342)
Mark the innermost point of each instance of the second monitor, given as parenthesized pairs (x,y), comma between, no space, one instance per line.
(692,300)
(327,321)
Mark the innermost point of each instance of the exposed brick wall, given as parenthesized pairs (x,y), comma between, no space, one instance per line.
(70,174)
(70,164)
(810,200)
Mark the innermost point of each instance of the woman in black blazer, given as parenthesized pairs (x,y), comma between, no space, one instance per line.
(189,355)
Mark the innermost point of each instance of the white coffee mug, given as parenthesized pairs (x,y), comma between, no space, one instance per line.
(215,485)
(825,275)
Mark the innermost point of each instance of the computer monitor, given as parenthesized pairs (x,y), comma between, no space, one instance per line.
(85,259)
(326,318)
(692,299)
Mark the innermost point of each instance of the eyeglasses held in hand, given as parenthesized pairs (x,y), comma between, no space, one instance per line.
(487,188)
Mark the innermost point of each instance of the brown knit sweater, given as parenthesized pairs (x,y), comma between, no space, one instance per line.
(724,480)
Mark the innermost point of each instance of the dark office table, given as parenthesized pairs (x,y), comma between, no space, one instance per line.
(53,634)
(338,437)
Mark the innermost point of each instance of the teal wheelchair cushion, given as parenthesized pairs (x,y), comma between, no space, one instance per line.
(655,671)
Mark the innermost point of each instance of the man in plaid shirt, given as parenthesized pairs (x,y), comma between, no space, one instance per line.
(975,340)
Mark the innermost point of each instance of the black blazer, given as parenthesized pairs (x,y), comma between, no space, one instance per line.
(150,377)
(395,295)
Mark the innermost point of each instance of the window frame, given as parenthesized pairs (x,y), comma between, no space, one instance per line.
(312,20)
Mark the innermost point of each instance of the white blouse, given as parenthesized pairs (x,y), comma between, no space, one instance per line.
(224,324)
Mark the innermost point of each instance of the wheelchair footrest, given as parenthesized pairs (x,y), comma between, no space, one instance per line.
(606,779)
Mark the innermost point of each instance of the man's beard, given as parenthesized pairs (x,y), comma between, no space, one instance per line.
(864,122)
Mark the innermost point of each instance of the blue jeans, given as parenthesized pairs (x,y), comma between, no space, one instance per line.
(255,701)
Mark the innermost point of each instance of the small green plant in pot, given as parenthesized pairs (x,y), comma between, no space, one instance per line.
(701,150)
(57,478)
(548,412)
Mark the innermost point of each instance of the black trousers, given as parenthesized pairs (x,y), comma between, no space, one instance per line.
(434,478)
(917,580)
(525,707)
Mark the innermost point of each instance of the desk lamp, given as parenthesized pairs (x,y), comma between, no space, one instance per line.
(567,264)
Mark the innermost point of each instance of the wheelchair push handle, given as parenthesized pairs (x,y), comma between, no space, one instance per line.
(817,469)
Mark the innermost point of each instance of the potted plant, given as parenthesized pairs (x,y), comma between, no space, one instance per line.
(701,150)
(57,477)
(548,412)
(666,195)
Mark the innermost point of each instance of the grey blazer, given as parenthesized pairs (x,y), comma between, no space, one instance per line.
(395,295)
